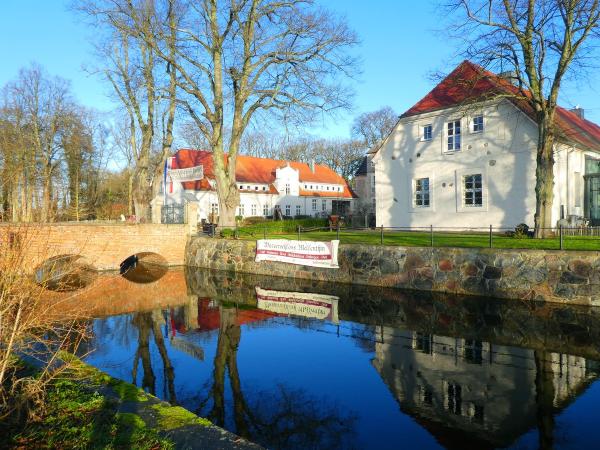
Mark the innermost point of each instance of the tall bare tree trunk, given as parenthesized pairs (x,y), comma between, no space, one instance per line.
(544,184)
(130,193)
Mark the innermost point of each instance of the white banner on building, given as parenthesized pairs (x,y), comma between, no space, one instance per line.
(316,306)
(188,174)
(304,253)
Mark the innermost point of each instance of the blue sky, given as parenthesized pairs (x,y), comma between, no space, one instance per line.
(401,46)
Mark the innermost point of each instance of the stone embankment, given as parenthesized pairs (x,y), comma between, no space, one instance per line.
(543,275)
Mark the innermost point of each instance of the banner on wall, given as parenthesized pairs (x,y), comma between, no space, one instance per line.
(303,304)
(303,253)
(187,174)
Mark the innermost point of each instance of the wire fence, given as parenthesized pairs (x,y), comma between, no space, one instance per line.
(558,238)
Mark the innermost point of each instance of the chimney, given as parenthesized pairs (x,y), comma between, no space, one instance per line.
(312,165)
(510,75)
(579,111)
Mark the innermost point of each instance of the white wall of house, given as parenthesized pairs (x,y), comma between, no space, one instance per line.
(569,184)
(503,155)
(256,200)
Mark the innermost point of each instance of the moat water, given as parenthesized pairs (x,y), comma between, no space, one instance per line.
(293,364)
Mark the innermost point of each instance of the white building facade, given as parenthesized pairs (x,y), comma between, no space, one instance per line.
(463,164)
(296,189)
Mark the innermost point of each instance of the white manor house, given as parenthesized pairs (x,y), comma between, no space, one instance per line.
(465,156)
(295,188)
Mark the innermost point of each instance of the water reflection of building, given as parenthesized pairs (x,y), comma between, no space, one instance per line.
(204,314)
(472,391)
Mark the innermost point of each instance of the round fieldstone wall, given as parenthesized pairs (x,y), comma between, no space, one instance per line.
(543,275)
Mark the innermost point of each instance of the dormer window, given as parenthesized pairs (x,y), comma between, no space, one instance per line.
(256,188)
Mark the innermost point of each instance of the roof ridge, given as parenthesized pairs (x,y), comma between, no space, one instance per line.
(484,84)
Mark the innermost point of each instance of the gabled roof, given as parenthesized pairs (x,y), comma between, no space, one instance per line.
(470,83)
(250,169)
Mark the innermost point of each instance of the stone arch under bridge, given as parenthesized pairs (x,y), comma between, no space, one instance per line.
(103,246)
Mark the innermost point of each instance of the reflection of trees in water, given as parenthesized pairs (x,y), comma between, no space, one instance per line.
(287,418)
(545,392)
(283,418)
(148,323)
(364,336)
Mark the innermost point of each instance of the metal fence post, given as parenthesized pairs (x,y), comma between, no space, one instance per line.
(337,231)
(491,236)
(560,234)
(431,235)
(381,237)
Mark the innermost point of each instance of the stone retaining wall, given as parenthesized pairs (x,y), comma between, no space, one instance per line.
(543,275)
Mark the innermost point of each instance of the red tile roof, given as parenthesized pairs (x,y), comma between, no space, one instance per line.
(470,83)
(250,169)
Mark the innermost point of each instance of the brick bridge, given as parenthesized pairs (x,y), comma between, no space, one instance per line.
(104,246)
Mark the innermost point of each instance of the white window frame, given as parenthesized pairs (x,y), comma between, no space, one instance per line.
(453,136)
(424,128)
(314,204)
(298,210)
(472,128)
(411,188)
(265,210)
(473,190)
(288,210)
(241,210)
(460,190)
(421,192)
(288,189)
(324,205)
(253,210)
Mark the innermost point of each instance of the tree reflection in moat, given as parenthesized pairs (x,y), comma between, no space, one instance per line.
(280,418)
(148,323)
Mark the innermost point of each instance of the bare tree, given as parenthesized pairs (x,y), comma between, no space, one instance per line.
(50,147)
(241,58)
(373,127)
(342,156)
(540,41)
(142,82)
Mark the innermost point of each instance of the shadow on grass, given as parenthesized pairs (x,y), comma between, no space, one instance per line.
(76,416)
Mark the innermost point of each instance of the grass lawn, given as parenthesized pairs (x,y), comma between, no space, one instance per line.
(423,239)
(75,415)
(79,418)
